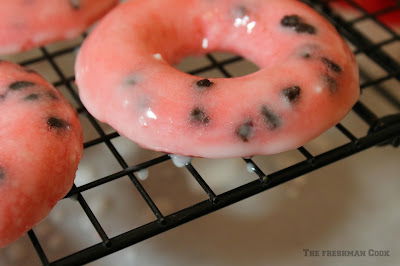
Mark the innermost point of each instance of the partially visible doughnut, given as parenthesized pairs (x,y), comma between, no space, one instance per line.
(25,24)
(40,148)
(308,79)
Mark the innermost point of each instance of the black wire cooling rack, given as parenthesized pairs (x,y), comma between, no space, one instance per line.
(384,130)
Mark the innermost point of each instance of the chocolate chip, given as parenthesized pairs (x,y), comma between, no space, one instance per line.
(18,85)
(331,83)
(57,123)
(308,51)
(28,70)
(296,22)
(32,97)
(2,173)
(306,55)
(75,4)
(290,21)
(305,28)
(239,12)
(204,83)
(292,94)
(331,65)
(197,115)
(51,95)
(131,81)
(270,118)
(245,131)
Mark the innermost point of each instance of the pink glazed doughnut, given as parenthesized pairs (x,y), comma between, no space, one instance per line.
(26,24)
(307,82)
(40,148)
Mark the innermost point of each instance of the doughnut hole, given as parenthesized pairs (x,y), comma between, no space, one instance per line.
(202,66)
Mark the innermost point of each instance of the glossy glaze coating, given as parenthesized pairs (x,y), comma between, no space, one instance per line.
(40,148)
(307,82)
(25,24)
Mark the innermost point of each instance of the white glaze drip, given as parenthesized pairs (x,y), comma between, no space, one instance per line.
(180,160)
(251,168)
(143,174)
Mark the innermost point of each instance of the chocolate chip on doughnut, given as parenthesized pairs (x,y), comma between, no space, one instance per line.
(198,116)
(331,65)
(40,148)
(307,82)
(204,83)
(32,97)
(2,173)
(57,123)
(297,23)
(292,94)
(75,4)
(18,85)
(245,131)
(271,119)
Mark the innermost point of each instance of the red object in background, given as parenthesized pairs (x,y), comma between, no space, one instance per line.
(372,6)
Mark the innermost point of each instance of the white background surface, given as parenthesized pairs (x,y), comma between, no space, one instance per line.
(350,205)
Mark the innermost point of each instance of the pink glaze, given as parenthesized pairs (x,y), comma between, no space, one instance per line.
(25,24)
(307,83)
(40,148)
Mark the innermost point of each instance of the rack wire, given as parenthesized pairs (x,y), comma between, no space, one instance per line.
(383,131)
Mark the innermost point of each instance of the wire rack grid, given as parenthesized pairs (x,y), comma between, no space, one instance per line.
(383,130)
